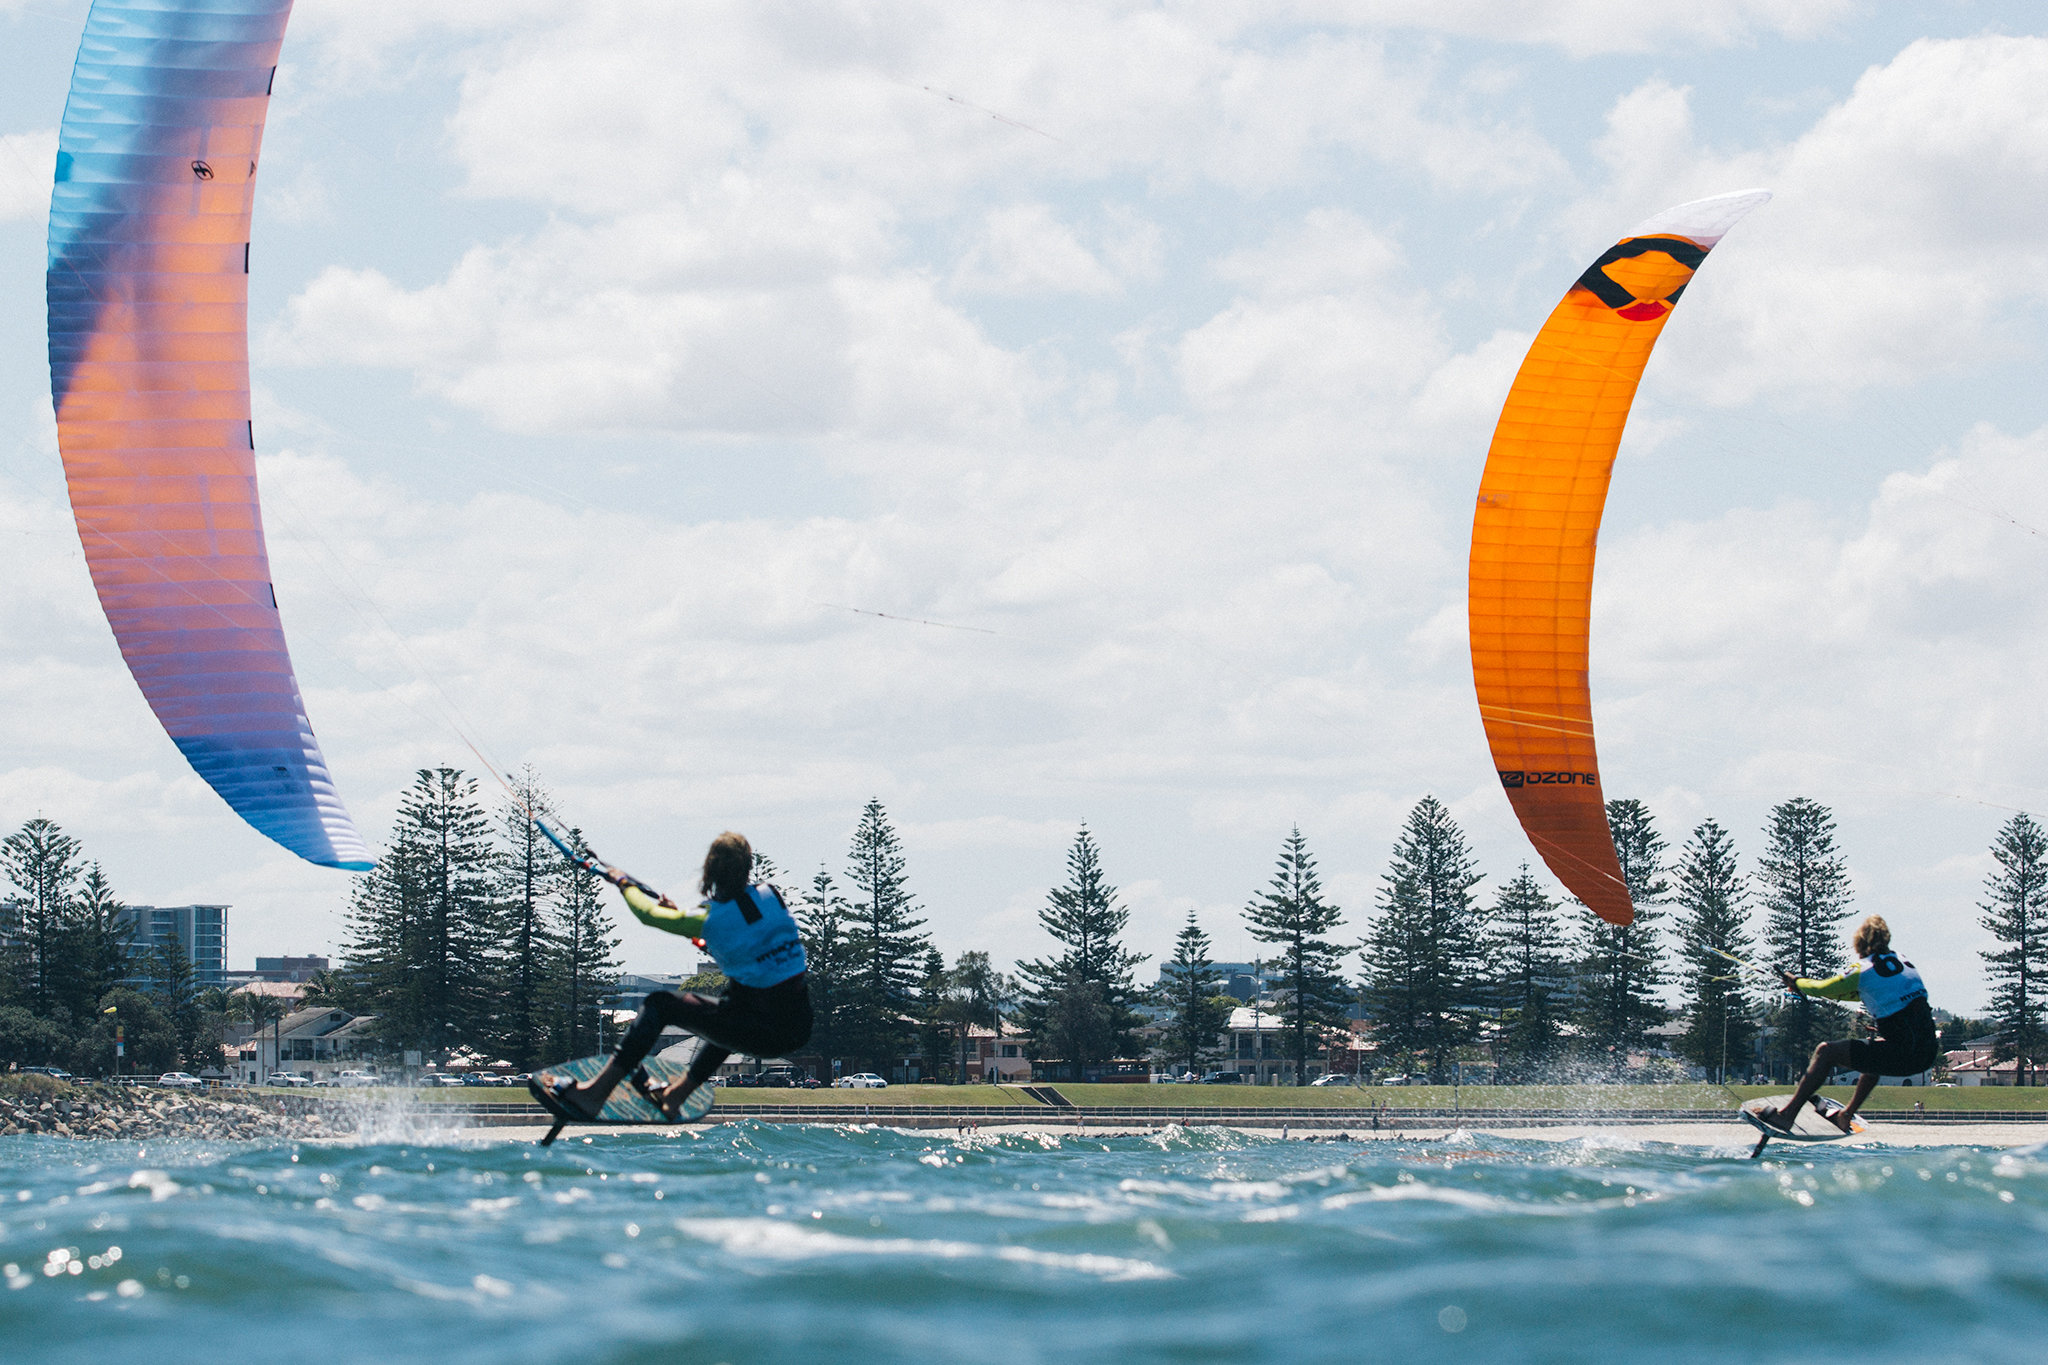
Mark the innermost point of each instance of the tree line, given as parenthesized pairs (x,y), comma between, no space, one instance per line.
(74,978)
(472,931)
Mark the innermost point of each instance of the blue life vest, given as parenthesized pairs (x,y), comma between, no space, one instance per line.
(754,939)
(1888,983)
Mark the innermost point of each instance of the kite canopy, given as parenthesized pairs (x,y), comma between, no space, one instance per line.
(149,371)
(1537,526)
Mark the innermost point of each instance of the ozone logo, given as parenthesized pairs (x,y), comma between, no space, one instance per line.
(1513,780)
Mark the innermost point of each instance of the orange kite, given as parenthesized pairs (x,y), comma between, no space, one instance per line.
(1537,526)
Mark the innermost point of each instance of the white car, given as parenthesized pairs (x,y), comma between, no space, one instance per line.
(286,1078)
(1334,1078)
(355,1080)
(180,1080)
(865,1080)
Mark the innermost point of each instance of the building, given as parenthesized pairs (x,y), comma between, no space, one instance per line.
(1246,981)
(1974,1066)
(634,988)
(998,1060)
(317,1042)
(1256,1046)
(297,969)
(200,930)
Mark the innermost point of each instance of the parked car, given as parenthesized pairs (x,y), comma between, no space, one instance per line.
(287,1078)
(54,1072)
(436,1079)
(1334,1078)
(863,1080)
(356,1080)
(180,1080)
(1223,1078)
(481,1078)
(1393,1080)
(786,1078)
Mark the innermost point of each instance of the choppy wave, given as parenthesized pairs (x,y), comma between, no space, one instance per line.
(752,1242)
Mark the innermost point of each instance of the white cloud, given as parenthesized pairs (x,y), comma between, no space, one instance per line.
(1025,250)
(28,161)
(1327,320)
(1885,665)
(1903,240)
(1586,27)
(735,193)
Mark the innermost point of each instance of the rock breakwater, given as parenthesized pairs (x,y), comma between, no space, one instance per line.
(141,1112)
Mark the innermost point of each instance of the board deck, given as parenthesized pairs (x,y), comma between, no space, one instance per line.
(1808,1126)
(625,1106)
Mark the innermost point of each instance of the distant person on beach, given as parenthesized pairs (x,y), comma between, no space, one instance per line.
(1895,997)
(766,1008)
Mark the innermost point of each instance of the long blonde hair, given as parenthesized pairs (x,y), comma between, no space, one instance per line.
(1872,936)
(727,867)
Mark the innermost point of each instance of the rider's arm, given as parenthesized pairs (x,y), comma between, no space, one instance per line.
(1841,987)
(656,914)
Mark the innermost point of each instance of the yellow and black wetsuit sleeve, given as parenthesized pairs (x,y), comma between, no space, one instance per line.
(1841,987)
(667,918)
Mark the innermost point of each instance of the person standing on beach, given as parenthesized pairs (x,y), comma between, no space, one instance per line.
(766,1008)
(1895,997)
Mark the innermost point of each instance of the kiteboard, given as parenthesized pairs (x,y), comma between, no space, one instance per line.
(1810,1124)
(625,1105)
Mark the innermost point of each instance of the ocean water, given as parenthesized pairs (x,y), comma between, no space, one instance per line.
(750,1242)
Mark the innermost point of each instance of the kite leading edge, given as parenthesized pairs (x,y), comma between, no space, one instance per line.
(149,373)
(1537,526)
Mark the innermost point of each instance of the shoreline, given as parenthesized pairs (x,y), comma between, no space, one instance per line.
(1701,1134)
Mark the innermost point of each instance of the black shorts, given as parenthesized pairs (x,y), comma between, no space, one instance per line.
(1905,1045)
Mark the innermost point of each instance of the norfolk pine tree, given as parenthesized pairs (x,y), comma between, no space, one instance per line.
(822,914)
(1719,1028)
(1619,973)
(1079,1006)
(171,987)
(1189,992)
(1293,917)
(96,954)
(585,968)
(1423,970)
(2017,917)
(884,944)
(424,920)
(529,875)
(43,863)
(1803,883)
(1530,978)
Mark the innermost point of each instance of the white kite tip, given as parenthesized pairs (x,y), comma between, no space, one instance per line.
(1705,221)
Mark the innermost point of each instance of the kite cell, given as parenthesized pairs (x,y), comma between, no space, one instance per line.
(1537,526)
(149,371)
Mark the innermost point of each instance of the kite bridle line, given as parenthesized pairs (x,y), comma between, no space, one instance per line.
(1776,979)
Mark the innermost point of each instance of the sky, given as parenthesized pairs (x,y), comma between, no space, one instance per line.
(625,373)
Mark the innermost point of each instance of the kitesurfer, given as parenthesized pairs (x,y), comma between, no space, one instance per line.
(766,1007)
(1895,997)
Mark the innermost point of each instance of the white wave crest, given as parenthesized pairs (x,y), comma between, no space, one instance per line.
(767,1239)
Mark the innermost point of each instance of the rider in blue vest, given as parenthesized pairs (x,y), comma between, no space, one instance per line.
(766,1008)
(1895,997)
